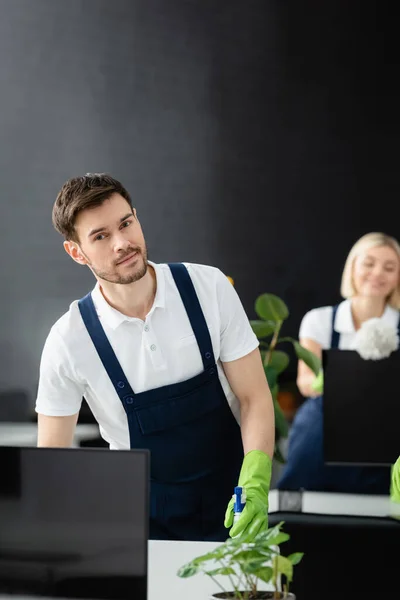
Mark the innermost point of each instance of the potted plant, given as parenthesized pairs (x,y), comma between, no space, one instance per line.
(245,561)
(272,312)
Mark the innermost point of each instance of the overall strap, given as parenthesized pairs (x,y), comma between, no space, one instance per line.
(335,335)
(194,312)
(104,349)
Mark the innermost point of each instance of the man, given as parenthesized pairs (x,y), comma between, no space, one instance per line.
(166,359)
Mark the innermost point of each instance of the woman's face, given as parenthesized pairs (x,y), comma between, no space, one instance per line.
(376,272)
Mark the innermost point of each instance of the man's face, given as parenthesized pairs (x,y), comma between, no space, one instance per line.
(111,242)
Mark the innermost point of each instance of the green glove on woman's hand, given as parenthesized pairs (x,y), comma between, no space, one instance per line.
(318,383)
(255,477)
(395,484)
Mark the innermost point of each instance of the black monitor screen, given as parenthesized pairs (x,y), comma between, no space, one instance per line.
(361,408)
(74,522)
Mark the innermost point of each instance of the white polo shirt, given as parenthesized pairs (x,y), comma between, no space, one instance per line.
(158,351)
(317,325)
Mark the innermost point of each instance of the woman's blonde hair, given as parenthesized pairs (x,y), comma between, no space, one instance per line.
(369,240)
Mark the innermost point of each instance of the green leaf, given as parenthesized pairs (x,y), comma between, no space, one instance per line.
(209,556)
(271,308)
(308,357)
(281,423)
(221,571)
(269,538)
(278,539)
(234,543)
(218,553)
(296,557)
(271,533)
(253,566)
(188,570)
(271,375)
(263,329)
(279,361)
(265,574)
(246,556)
(283,566)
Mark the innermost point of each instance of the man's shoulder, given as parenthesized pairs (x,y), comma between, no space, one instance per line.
(204,271)
(195,268)
(201,274)
(69,326)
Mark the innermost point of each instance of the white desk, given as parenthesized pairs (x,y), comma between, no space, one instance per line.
(25,434)
(328,503)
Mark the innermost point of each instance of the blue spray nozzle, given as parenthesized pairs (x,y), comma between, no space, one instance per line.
(239,500)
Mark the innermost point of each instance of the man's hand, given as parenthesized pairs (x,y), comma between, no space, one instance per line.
(255,477)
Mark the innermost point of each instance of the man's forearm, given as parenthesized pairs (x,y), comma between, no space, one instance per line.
(258,424)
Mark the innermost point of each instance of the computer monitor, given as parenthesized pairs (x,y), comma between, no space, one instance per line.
(74,522)
(361,408)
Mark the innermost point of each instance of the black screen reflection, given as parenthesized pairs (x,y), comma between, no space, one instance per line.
(74,523)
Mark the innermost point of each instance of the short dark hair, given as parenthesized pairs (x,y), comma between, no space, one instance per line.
(80,193)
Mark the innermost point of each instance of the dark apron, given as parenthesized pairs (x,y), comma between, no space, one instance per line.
(305,467)
(194,439)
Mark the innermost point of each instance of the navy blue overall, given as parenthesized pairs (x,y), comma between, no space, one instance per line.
(305,468)
(194,440)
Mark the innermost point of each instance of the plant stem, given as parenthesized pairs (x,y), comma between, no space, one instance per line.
(285,590)
(249,582)
(276,577)
(254,586)
(240,577)
(231,580)
(217,583)
(273,343)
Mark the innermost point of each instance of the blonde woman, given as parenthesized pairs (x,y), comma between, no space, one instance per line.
(371,289)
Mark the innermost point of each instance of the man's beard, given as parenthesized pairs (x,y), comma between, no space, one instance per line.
(139,270)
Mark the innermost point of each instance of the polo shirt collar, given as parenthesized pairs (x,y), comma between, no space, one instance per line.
(112,317)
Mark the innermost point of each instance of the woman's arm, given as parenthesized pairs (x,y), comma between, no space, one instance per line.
(305,376)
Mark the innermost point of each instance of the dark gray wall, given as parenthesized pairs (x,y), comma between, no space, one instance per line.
(252,136)
(89,86)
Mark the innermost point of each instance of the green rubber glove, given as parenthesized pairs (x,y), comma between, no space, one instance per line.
(395,484)
(255,477)
(318,383)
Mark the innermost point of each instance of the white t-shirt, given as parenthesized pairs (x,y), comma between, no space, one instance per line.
(317,325)
(158,351)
